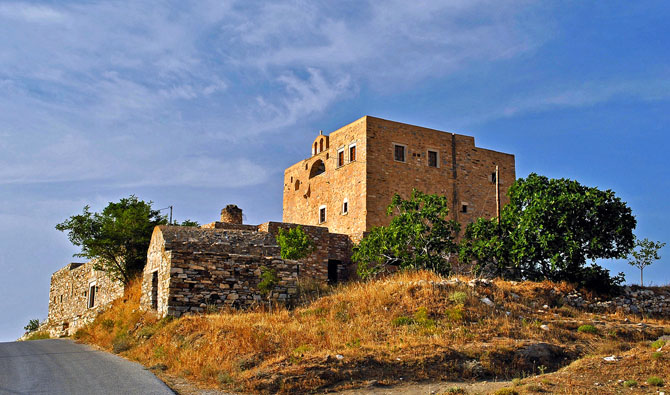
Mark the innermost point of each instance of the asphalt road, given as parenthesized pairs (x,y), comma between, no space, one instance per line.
(60,366)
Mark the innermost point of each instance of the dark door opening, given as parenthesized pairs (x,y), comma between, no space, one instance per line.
(332,270)
(154,290)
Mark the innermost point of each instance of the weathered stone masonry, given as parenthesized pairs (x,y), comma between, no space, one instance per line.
(77,294)
(354,172)
(190,270)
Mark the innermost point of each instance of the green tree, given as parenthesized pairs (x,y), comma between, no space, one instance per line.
(294,243)
(418,237)
(33,325)
(550,229)
(117,238)
(644,254)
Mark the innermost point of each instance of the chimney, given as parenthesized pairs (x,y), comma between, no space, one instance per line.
(231,215)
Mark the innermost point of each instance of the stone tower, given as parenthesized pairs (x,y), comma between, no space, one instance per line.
(231,215)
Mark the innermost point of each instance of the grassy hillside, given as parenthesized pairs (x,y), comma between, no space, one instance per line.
(411,326)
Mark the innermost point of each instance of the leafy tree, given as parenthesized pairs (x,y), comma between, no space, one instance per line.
(484,247)
(33,325)
(550,229)
(294,243)
(419,237)
(188,222)
(117,238)
(269,280)
(644,254)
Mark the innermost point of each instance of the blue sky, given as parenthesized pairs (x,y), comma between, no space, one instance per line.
(200,104)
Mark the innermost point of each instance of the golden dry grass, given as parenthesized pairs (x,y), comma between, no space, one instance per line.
(401,326)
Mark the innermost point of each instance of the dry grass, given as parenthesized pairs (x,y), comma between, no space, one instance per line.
(401,326)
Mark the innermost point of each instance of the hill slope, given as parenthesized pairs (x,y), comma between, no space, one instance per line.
(415,326)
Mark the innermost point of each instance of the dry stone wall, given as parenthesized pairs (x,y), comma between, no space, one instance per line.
(71,305)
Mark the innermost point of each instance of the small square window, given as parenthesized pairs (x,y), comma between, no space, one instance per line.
(464,208)
(432,159)
(340,157)
(493,177)
(399,152)
(352,153)
(322,214)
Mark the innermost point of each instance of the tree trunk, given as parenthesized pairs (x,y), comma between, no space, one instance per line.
(641,283)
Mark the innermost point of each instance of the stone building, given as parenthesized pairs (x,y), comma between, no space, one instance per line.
(219,265)
(78,293)
(353,173)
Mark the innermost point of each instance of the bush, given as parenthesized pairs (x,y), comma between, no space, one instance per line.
(658,344)
(402,320)
(506,391)
(456,390)
(655,381)
(269,280)
(630,383)
(108,325)
(294,243)
(32,325)
(121,343)
(587,329)
(657,355)
(458,297)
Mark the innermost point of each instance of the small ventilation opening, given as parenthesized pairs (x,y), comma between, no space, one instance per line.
(154,290)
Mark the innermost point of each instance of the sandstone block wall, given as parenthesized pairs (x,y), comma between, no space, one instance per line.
(69,297)
(367,184)
(305,194)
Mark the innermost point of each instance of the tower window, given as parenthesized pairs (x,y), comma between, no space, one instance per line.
(433,159)
(464,208)
(317,168)
(320,145)
(345,206)
(352,153)
(340,157)
(399,152)
(322,214)
(493,177)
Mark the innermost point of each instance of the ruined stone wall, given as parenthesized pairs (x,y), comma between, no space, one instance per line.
(463,174)
(69,297)
(199,269)
(216,280)
(304,195)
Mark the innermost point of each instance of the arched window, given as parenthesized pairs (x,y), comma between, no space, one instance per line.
(297,184)
(314,152)
(317,168)
(320,145)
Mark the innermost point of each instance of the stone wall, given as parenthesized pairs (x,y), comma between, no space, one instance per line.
(69,297)
(463,174)
(304,195)
(197,269)
(653,301)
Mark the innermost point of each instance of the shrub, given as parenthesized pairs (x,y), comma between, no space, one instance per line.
(269,280)
(630,383)
(120,344)
(224,378)
(506,391)
(294,243)
(658,344)
(657,355)
(458,297)
(402,320)
(454,314)
(107,324)
(456,390)
(32,325)
(587,329)
(655,381)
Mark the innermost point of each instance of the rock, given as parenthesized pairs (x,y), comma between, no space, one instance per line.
(339,357)
(612,358)
(487,301)
(537,354)
(544,327)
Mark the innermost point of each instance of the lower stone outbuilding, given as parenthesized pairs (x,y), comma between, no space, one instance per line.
(78,293)
(219,265)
